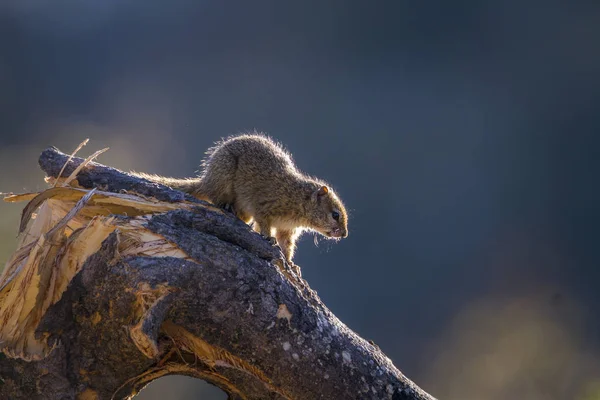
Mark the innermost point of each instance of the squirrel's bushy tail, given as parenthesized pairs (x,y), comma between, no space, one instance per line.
(192,186)
(217,181)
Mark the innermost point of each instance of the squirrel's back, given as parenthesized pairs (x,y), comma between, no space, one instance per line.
(261,149)
(249,165)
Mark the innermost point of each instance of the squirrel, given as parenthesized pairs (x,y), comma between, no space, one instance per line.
(256,178)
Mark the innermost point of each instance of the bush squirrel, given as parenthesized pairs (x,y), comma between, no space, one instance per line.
(256,178)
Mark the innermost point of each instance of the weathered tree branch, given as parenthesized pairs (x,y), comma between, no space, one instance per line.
(230,312)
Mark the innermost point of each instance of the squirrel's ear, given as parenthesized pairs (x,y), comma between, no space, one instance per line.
(323,190)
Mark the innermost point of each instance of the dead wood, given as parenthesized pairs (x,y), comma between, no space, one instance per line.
(115,287)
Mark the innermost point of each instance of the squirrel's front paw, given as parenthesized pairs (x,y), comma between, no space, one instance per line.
(271,240)
(296,269)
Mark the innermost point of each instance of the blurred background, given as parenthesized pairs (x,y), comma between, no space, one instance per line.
(462,136)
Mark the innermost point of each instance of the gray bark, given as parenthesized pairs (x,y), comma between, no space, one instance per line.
(273,336)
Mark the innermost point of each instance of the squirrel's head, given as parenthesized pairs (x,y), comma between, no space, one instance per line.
(328,216)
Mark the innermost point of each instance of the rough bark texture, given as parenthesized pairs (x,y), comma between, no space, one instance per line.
(233,314)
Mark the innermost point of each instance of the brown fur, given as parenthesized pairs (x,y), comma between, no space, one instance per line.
(257,178)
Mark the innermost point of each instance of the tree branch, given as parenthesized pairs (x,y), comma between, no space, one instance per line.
(225,308)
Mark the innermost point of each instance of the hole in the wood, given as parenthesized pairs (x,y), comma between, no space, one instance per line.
(177,387)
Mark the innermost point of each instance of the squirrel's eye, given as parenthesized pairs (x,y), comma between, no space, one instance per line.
(335,215)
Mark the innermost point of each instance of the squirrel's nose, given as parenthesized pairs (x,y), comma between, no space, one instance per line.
(339,233)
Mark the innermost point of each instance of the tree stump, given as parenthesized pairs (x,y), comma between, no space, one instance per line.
(118,281)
